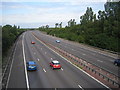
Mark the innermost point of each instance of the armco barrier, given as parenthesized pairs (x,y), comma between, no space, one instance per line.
(6,69)
(99,73)
(105,75)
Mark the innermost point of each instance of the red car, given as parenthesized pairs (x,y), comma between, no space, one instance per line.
(32,42)
(55,64)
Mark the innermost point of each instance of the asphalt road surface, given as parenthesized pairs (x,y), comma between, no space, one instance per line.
(67,77)
(103,60)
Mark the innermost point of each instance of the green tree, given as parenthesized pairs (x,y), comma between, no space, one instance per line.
(60,25)
(56,25)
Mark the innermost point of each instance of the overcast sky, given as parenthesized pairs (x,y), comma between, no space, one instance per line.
(36,13)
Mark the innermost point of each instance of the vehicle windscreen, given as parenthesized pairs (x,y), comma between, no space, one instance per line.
(56,63)
(32,64)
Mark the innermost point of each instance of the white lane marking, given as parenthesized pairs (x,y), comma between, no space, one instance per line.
(51,58)
(26,75)
(62,69)
(7,64)
(83,54)
(38,59)
(88,48)
(11,67)
(44,70)
(41,48)
(99,61)
(34,53)
(74,65)
(80,87)
(45,52)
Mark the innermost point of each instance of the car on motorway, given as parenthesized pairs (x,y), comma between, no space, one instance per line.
(31,65)
(117,62)
(55,64)
(58,41)
(32,42)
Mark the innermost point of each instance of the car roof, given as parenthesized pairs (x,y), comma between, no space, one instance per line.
(31,62)
(55,61)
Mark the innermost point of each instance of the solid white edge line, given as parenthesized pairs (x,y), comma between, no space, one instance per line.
(26,75)
(75,65)
(11,67)
(6,66)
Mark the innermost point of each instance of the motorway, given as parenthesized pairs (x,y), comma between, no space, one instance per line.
(67,77)
(93,56)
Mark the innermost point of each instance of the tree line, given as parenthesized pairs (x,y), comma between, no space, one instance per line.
(102,30)
(9,35)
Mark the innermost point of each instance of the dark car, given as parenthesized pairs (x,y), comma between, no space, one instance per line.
(117,62)
(31,65)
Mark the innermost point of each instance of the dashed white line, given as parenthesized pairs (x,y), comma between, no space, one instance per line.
(44,70)
(74,65)
(99,61)
(80,87)
(38,59)
(98,52)
(62,69)
(83,54)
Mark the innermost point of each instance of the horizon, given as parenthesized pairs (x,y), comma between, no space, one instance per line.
(37,14)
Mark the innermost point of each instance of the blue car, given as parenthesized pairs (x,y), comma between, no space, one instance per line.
(58,41)
(31,65)
(117,62)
